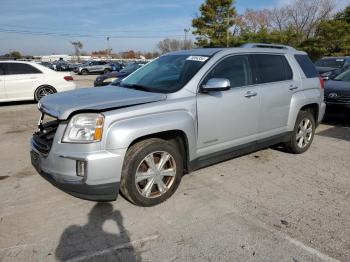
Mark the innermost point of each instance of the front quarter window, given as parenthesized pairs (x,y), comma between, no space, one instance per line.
(166,74)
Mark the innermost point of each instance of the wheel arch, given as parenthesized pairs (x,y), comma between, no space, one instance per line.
(176,126)
(309,101)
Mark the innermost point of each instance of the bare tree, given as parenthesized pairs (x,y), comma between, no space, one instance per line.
(303,16)
(77,48)
(254,20)
(168,45)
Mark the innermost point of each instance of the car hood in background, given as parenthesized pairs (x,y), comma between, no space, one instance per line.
(61,105)
(322,70)
(339,87)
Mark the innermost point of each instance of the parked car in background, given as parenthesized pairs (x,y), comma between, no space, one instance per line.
(116,66)
(329,67)
(337,92)
(73,66)
(29,81)
(61,65)
(108,78)
(93,67)
(47,64)
(180,112)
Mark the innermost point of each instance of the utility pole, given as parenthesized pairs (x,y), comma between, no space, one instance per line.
(186,31)
(228,28)
(108,48)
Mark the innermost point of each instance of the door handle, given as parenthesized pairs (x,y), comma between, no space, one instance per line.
(250,94)
(292,87)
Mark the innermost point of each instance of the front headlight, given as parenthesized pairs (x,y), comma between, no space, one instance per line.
(84,128)
(110,80)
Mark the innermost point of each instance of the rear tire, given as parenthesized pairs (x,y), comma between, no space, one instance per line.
(303,133)
(42,91)
(106,71)
(152,171)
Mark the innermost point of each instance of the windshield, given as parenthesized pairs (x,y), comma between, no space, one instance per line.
(330,62)
(345,76)
(166,74)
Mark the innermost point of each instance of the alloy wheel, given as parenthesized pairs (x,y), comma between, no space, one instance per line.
(155,174)
(304,133)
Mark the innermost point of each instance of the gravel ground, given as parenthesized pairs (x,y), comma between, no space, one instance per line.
(265,206)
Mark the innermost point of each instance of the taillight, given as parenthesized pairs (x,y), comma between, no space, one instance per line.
(321,82)
(68,78)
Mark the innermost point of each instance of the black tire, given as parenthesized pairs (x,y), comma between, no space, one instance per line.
(39,92)
(84,72)
(106,71)
(292,145)
(134,160)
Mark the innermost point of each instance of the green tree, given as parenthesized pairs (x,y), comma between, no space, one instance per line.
(213,24)
(14,54)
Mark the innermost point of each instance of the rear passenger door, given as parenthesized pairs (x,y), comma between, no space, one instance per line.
(275,79)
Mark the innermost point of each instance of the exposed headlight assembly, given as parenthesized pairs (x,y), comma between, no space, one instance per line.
(84,128)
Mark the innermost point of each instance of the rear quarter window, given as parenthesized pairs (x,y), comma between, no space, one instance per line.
(307,66)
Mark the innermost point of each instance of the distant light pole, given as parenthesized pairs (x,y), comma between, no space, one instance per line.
(228,28)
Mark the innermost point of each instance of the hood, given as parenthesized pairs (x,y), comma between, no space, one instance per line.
(339,87)
(61,105)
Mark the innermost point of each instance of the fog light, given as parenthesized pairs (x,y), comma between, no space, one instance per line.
(81,168)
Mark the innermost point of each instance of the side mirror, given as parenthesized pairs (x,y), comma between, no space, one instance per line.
(215,85)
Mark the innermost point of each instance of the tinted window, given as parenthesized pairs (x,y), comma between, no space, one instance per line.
(19,68)
(272,68)
(1,70)
(234,68)
(307,66)
(102,63)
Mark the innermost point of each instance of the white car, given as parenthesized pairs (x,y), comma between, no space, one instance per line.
(27,81)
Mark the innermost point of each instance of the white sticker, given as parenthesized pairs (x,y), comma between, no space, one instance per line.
(197,58)
(340,60)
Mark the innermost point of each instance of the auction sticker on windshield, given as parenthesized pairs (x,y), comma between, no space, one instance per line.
(197,58)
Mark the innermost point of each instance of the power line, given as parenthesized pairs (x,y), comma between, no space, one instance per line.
(42,33)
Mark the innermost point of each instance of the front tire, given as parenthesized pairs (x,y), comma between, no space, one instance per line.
(84,72)
(303,133)
(152,171)
(42,91)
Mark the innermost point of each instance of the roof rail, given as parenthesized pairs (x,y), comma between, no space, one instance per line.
(262,45)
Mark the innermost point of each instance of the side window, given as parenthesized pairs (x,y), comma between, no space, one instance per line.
(272,68)
(1,69)
(102,63)
(234,68)
(307,66)
(20,69)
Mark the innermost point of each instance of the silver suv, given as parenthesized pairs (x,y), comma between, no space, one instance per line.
(93,67)
(182,111)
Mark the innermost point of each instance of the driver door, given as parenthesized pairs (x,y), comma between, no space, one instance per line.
(228,118)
